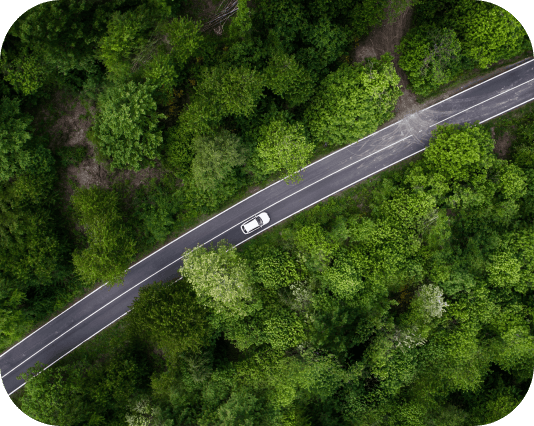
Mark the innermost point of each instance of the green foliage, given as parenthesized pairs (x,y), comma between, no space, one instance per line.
(169,315)
(156,207)
(459,152)
(125,127)
(194,121)
(324,43)
(406,300)
(127,33)
(14,136)
(353,101)
(226,91)
(241,23)
(288,79)
(220,279)
(282,146)
(52,398)
(162,59)
(488,32)
(13,322)
(111,246)
(215,158)
(26,73)
(275,270)
(313,246)
(30,245)
(430,56)
(343,278)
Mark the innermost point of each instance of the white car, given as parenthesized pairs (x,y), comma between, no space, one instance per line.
(255,223)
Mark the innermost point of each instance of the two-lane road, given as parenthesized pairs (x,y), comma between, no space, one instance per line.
(321,179)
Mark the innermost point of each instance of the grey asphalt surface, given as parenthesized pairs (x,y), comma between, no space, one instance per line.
(342,169)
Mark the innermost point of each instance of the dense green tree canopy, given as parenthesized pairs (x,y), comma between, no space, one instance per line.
(283,146)
(458,153)
(215,158)
(14,135)
(489,33)
(430,56)
(353,101)
(226,288)
(125,130)
(169,314)
(111,246)
(288,79)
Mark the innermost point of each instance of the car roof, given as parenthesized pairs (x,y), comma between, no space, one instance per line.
(250,225)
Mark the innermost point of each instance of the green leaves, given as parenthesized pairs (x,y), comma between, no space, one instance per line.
(51,398)
(125,127)
(111,246)
(353,101)
(127,34)
(14,136)
(459,152)
(282,146)
(215,158)
(288,79)
(221,280)
(226,91)
(489,34)
(169,315)
(275,270)
(430,56)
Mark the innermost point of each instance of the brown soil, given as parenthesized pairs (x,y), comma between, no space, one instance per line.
(384,38)
(70,129)
(502,144)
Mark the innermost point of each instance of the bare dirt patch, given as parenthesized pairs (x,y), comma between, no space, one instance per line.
(384,37)
(67,125)
(502,144)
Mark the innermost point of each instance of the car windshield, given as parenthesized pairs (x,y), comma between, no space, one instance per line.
(259,221)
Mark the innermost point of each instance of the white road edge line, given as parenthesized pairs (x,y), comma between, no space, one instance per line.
(476,85)
(50,365)
(48,322)
(212,240)
(480,103)
(509,109)
(89,316)
(311,184)
(315,162)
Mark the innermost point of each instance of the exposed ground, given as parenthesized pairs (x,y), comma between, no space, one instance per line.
(502,144)
(68,126)
(384,38)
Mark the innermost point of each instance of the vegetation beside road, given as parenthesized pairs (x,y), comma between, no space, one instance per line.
(341,321)
(406,299)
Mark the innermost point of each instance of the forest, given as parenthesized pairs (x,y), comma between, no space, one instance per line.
(406,300)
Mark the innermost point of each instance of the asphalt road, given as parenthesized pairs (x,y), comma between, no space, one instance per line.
(331,174)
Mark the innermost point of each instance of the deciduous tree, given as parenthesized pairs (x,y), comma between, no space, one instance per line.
(221,280)
(125,129)
(282,146)
(215,157)
(111,246)
(169,315)
(353,101)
